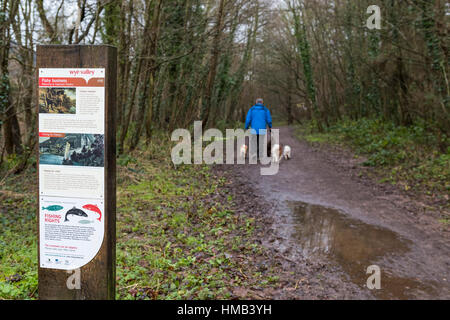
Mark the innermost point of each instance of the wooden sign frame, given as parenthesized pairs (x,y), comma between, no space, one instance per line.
(97,277)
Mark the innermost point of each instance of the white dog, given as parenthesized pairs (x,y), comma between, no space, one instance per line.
(287,152)
(279,152)
(244,150)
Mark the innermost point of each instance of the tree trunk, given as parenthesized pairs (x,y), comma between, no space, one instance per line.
(215,50)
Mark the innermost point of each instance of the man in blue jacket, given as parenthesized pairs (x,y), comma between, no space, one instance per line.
(258,118)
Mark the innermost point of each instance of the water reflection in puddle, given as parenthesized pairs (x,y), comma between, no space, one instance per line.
(354,245)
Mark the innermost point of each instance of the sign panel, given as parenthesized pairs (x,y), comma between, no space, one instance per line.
(71,166)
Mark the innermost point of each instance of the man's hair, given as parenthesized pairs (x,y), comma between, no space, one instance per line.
(259,100)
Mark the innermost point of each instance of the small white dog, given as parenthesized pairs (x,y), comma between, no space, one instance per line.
(287,152)
(279,152)
(244,150)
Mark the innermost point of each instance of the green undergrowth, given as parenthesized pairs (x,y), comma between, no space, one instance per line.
(177,238)
(405,156)
(18,239)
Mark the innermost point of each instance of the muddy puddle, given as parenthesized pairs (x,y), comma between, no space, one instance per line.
(354,245)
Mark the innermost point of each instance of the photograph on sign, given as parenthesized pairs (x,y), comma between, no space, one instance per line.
(57,100)
(72,149)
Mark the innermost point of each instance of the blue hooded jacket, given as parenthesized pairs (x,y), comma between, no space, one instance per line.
(258,117)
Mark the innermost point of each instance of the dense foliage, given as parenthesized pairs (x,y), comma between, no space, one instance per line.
(324,63)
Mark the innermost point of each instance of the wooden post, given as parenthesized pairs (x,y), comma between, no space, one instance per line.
(68,117)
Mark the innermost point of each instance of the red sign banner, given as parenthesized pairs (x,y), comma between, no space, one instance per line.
(71,82)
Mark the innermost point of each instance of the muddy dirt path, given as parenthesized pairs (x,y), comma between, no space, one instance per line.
(332,227)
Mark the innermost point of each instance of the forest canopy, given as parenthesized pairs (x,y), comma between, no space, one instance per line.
(186,60)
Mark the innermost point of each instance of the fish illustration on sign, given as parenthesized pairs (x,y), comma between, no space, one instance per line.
(93,207)
(53,208)
(76,212)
